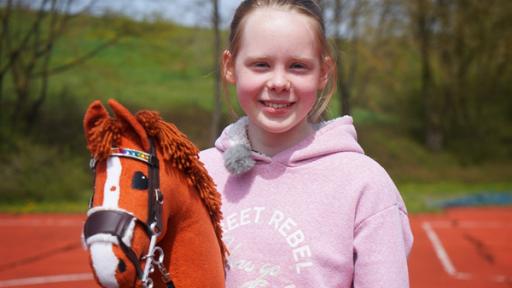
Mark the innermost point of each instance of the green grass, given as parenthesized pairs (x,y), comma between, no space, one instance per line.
(162,66)
(421,197)
(423,176)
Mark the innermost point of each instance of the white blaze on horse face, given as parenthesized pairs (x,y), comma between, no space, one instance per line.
(105,263)
(111,189)
(103,258)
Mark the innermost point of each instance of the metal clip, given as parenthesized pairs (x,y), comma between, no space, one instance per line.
(92,163)
(166,276)
(148,283)
(148,268)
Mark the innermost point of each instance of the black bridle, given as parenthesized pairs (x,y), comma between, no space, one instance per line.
(116,222)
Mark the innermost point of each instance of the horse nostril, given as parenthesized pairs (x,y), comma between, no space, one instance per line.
(121,266)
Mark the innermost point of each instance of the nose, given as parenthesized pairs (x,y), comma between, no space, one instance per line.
(121,266)
(278,82)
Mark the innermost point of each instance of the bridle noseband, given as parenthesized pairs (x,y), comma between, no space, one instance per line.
(116,222)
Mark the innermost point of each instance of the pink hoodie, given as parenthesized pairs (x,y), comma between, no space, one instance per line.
(320,214)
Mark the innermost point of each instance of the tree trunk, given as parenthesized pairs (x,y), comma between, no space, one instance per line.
(215,125)
(26,53)
(432,119)
(343,90)
(33,113)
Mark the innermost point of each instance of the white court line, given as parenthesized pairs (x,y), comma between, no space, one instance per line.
(470,224)
(46,279)
(39,222)
(441,253)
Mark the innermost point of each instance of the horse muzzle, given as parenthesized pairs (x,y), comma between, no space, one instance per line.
(104,230)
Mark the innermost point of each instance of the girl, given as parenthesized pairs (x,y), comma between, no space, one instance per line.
(303,206)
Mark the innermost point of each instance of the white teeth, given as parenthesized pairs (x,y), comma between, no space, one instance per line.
(276,106)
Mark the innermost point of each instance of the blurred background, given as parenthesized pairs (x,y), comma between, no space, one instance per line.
(428,83)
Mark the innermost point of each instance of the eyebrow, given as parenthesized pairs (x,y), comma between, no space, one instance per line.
(303,59)
(267,58)
(256,58)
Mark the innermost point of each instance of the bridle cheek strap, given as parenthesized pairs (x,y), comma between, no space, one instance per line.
(154,200)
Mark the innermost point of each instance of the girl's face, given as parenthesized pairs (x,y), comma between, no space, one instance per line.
(278,70)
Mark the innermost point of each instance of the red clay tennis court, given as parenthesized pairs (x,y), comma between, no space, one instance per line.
(463,247)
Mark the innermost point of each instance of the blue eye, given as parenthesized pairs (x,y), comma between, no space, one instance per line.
(298,66)
(261,65)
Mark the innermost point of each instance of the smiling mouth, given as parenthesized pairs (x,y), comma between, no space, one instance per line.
(276,105)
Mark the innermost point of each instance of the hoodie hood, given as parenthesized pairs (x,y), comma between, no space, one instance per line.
(334,136)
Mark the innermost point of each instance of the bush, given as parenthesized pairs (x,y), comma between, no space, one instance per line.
(39,173)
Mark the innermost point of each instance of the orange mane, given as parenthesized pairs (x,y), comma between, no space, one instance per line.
(177,150)
(105,134)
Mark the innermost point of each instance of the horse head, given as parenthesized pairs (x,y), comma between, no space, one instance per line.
(154,205)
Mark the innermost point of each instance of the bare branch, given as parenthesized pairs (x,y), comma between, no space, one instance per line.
(15,53)
(79,60)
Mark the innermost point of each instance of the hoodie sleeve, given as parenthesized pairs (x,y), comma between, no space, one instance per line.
(382,234)
(382,243)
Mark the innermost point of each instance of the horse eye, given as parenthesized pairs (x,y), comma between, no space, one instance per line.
(139,181)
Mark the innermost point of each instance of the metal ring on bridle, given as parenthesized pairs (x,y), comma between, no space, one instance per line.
(159,196)
(158,251)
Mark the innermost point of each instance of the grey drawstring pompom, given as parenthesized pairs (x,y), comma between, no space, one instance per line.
(238,159)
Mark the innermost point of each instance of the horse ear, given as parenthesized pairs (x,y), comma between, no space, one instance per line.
(124,114)
(94,112)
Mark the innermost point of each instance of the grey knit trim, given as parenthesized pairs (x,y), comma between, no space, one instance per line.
(238,157)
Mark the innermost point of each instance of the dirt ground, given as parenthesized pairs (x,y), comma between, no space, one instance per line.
(463,247)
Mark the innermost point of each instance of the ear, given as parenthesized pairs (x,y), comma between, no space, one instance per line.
(325,72)
(228,66)
(126,116)
(94,112)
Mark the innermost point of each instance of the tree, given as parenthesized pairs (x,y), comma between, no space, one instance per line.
(347,20)
(421,12)
(215,125)
(464,63)
(27,40)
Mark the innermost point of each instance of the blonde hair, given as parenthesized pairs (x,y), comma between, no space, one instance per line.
(308,8)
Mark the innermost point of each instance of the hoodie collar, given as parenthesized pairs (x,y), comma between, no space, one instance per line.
(334,136)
